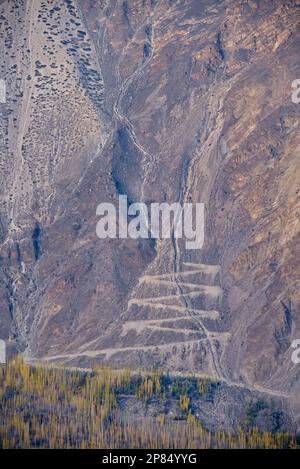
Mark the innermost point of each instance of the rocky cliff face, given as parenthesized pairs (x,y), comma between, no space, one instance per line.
(176,101)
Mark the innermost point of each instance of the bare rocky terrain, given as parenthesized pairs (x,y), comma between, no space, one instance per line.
(176,101)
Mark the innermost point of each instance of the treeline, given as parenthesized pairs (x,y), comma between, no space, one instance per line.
(46,407)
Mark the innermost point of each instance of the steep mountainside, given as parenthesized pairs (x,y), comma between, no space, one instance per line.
(176,101)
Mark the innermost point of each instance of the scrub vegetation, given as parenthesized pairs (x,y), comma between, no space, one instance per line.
(47,407)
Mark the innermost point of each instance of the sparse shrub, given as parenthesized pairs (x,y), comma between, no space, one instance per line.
(48,407)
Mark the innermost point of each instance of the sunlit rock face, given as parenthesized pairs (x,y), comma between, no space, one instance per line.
(163,101)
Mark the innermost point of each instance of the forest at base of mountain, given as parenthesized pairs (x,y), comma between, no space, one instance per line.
(42,406)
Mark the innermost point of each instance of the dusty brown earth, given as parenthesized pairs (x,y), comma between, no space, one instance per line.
(176,101)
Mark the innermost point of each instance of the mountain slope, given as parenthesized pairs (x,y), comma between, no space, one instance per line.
(162,101)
